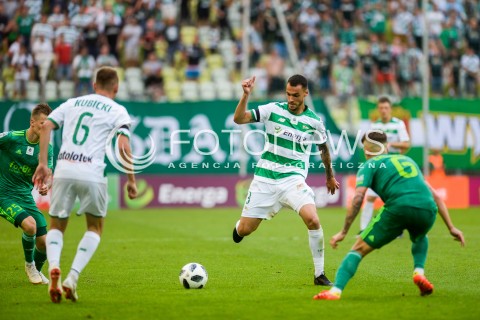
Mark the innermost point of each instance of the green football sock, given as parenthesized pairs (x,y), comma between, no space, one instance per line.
(28,243)
(419,252)
(347,269)
(40,258)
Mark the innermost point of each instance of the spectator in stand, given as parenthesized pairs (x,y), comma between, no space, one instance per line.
(11,7)
(367,65)
(325,72)
(3,22)
(83,69)
(449,35)
(70,34)
(152,71)
(435,19)
(385,69)
(417,27)
(470,64)
(193,54)
(90,37)
(172,35)
(343,81)
(376,20)
(148,38)
(472,35)
(43,55)
(82,19)
(130,36)
(402,22)
(63,61)
(23,64)
(436,68)
(57,18)
(113,26)
(73,8)
(25,24)
(275,66)
(453,72)
(14,48)
(43,28)
(106,59)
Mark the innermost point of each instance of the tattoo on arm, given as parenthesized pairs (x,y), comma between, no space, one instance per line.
(326,159)
(353,211)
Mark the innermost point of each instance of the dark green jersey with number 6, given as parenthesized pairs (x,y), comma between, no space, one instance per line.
(397,180)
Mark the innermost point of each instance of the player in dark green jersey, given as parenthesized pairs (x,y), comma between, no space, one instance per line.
(410,203)
(18,160)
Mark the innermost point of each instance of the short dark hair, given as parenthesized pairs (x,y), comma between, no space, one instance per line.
(41,108)
(384,99)
(298,79)
(106,78)
(375,135)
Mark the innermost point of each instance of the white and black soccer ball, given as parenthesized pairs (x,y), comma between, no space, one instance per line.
(193,276)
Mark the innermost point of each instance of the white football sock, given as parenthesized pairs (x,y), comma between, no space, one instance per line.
(85,251)
(54,243)
(315,240)
(366,215)
(419,271)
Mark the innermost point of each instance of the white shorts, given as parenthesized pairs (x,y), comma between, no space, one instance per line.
(265,200)
(371,193)
(92,195)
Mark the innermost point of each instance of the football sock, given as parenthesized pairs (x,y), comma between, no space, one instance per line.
(347,269)
(28,243)
(40,258)
(236,237)
(54,247)
(420,271)
(366,215)
(419,252)
(315,240)
(85,251)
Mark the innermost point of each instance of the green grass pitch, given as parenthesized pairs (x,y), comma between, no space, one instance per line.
(134,273)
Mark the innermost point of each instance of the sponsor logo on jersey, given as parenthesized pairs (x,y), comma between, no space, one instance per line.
(282,120)
(72,156)
(18,151)
(30,151)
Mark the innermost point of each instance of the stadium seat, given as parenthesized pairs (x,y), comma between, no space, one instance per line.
(121,73)
(190,91)
(207,91)
(188,34)
(214,61)
(133,74)
(51,91)
(169,74)
(122,93)
(224,90)
(66,89)
(220,75)
(1,91)
(136,90)
(9,89)
(33,91)
(173,91)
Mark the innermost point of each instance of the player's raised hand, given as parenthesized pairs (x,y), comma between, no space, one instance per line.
(131,190)
(332,185)
(458,236)
(247,85)
(40,176)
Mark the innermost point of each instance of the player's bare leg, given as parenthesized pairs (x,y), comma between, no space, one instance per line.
(244,227)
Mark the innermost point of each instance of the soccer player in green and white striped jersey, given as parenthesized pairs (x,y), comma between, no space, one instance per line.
(291,128)
(398,143)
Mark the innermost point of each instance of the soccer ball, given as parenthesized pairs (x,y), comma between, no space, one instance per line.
(193,276)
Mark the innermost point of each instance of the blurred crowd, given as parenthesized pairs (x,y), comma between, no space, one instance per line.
(346,47)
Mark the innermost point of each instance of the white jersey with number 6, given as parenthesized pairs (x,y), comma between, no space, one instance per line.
(87,121)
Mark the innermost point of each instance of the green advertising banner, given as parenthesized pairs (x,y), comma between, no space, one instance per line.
(452,127)
(199,137)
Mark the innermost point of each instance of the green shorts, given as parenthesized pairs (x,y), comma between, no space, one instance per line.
(390,223)
(16,211)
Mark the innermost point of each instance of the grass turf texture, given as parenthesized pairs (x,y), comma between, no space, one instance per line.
(134,273)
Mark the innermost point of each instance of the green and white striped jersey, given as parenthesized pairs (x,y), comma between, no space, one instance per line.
(395,130)
(289,140)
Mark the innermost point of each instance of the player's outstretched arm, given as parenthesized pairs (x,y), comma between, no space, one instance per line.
(332,183)
(126,154)
(352,213)
(42,172)
(443,212)
(241,115)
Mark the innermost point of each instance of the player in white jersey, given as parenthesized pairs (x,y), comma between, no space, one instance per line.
(87,122)
(398,141)
(291,129)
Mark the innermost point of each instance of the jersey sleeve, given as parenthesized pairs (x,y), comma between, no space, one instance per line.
(262,113)
(402,132)
(364,176)
(123,123)
(320,134)
(58,115)
(5,139)
(50,156)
